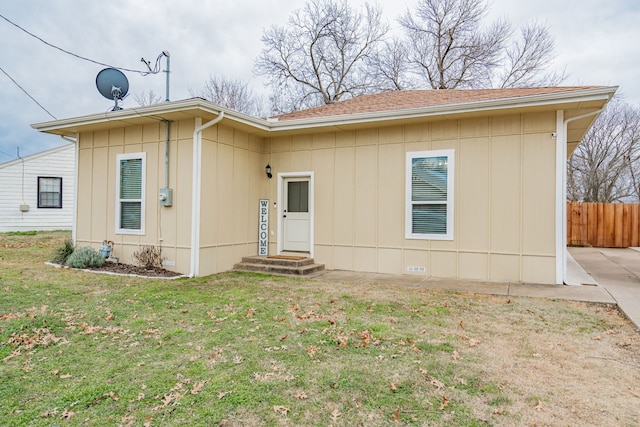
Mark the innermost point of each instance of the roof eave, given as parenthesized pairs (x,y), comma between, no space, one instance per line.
(165,111)
(159,112)
(584,95)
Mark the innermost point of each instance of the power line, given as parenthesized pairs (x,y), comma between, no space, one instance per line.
(155,70)
(7,154)
(27,93)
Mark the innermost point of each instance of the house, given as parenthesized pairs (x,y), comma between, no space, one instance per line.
(445,183)
(38,191)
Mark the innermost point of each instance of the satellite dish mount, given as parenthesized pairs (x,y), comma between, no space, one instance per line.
(112,84)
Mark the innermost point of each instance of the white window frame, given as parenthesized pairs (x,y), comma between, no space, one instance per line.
(409,234)
(130,156)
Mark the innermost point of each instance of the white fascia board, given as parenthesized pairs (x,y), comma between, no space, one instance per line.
(159,110)
(584,95)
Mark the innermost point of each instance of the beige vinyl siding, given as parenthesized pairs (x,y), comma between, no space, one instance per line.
(232,182)
(504,202)
(503,199)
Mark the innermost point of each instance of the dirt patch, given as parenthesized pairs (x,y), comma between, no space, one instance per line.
(121,268)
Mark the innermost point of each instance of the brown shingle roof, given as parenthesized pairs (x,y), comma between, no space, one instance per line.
(403,100)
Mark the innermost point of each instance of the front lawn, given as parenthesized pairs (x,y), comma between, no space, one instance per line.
(79,348)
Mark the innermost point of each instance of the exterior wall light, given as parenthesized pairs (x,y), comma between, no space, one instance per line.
(267,170)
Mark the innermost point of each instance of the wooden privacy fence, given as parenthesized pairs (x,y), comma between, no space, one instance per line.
(604,225)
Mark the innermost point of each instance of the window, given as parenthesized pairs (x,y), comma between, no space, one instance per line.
(429,195)
(49,192)
(130,188)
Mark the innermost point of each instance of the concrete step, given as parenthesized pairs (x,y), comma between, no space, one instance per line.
(290,267)
(284,261)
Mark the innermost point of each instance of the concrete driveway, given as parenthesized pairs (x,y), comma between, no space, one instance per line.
(616,270)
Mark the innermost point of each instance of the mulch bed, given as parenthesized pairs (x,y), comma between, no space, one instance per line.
(112,267)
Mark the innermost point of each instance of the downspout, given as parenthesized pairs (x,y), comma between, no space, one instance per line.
(561,191)
(196,185)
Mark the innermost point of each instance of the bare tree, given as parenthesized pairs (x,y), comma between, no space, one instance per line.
(526,59)
(232,94)
(390,68)
(145,99)
(449,47)
(603,168)
(320,56)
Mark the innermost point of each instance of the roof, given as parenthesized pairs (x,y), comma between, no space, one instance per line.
(66,146)
(581,104)
(410,99)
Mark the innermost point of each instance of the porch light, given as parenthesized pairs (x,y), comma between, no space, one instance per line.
(267,169)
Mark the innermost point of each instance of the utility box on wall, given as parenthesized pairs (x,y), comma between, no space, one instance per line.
(166,197)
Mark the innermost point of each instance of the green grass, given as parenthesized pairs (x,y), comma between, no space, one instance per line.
(237,349)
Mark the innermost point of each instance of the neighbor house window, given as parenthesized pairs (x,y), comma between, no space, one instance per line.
(130,187)
(49,192)
(429,195)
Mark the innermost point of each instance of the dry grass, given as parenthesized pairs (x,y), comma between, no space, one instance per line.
(244,349)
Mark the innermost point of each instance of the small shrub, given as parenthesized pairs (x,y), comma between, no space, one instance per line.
(149,257)
(61,253)
(85,257)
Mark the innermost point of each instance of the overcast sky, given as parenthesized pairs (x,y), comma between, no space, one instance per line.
(597,42)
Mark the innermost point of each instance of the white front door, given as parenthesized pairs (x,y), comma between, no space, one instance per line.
(296,219)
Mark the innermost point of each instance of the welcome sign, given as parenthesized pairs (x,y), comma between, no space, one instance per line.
(263,228)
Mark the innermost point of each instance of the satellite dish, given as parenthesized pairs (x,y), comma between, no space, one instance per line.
(112,84)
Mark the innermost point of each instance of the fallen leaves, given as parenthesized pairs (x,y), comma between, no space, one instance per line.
(312,350)
(365,337)
(29,341)
(50,413)
(437,383)
(66,414)
(10,316)
(39,337)
(197,387)
(444,403)
(178,391)
(282,410)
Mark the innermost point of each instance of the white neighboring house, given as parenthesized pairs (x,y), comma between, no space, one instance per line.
(38,191)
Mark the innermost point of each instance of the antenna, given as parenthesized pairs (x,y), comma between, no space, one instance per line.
(112,84)
(156,68)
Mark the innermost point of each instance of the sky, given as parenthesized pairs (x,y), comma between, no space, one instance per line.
(597,43)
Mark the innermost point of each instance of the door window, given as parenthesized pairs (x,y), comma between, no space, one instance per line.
(298,196)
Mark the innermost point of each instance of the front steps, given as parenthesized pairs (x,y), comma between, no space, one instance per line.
(291,266)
